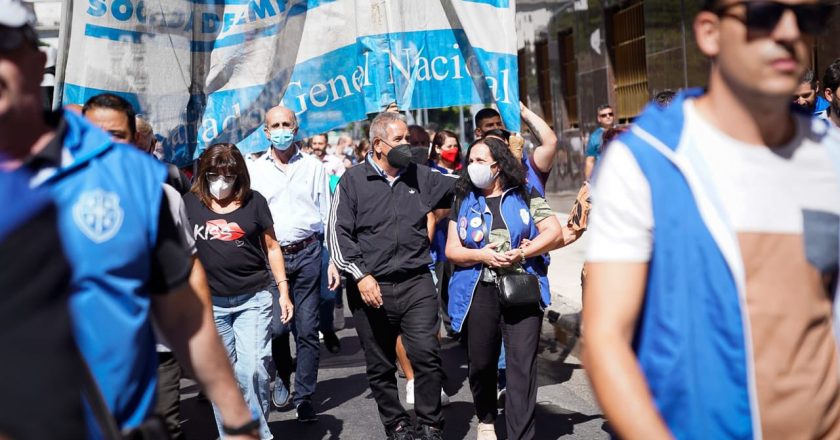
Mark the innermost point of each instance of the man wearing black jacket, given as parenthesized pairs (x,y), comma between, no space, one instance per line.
(378,236)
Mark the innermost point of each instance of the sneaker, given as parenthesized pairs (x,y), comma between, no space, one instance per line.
(280,396)
(427,432)
(500,398)
(485,431)
(409,392)
(400,431)
(305,412)
(331,342)
(444,398)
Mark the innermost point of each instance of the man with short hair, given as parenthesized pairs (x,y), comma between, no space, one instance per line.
(712,265)
(831,88)
(606,120)
(296,189)
(539,162)
(129,262)
(321,149)
(807,96)
(379,238)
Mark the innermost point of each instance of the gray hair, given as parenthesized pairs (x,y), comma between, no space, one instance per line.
(379,125)
(143,127)
(808,77)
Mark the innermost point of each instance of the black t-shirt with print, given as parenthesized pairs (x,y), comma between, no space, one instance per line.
(230,245)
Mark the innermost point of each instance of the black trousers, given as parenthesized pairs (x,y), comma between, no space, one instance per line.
(486,321)
(410,309)
(168,403)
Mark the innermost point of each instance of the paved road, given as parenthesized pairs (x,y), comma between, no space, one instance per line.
(566,407)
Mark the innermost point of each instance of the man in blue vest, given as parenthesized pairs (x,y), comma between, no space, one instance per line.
(713,246)
(129,263)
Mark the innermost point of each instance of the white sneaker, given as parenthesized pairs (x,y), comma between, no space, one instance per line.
(409,392)
(485,431)
(444,398)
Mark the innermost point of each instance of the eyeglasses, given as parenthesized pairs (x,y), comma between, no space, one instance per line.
(215,177)
(606,115)
(13,38)
(811,18)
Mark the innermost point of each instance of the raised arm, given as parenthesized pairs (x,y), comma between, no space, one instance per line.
(544,153)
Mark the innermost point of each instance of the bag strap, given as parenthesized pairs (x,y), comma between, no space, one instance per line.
(93,397)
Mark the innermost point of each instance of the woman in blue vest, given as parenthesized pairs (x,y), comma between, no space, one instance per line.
(499,226)
(234,238)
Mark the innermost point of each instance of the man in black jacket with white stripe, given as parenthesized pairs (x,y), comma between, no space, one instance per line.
(378,236)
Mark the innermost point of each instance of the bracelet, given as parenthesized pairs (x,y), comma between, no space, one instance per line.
(284,280)
(247,428)
(523,254)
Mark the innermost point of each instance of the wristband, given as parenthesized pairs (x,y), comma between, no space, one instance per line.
(523,254)
(285,280)
(247,428)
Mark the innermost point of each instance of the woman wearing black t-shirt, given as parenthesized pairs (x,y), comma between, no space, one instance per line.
(232,226)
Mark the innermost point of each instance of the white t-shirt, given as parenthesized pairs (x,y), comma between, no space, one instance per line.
(783,205)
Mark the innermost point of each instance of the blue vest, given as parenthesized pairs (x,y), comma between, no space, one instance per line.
(474,222)
(109,198)
(692,339)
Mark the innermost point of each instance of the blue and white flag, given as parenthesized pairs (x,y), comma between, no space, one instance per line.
(206,71)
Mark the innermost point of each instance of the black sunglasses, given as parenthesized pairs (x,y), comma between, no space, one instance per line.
(812,18)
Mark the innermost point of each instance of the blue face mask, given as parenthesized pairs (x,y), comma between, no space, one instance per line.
(281,138)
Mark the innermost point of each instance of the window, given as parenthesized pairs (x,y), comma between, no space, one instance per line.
(568,76)
(627,44)
(544,80)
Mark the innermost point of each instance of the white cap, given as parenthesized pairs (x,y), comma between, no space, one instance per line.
(15,13)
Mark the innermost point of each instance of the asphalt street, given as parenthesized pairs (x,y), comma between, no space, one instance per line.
(566,407)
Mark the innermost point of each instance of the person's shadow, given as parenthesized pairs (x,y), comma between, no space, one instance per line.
(328,427)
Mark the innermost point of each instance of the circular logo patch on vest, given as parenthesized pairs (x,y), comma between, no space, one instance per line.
(525,216)
(98,215)
(477,235)
(462,228)
(475,222)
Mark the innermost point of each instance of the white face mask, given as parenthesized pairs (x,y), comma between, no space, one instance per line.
(220,189)
(481,174)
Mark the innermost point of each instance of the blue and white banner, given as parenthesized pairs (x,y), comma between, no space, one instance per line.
(206,71)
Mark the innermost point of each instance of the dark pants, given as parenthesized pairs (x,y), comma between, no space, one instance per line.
(168,403)
(486,321)
(410,309)
(303,269)
(443,273)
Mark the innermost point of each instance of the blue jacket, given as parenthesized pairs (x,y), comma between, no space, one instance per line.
(692,338)
(108,197)
(473,230)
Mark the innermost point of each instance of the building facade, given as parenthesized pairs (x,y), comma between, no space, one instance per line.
(575,55)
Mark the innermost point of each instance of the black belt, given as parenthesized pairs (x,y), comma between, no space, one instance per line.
(298,245)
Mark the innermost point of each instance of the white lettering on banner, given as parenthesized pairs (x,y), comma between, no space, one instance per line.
(412,66)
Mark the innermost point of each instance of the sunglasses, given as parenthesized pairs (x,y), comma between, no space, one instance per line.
(215,177)
(811,18)
(13,38)
(605,115)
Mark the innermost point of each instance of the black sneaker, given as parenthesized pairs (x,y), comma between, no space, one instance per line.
(305,412)
(331,342)
(400,431)
(427,432)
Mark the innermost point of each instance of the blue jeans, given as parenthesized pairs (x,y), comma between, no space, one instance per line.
(328,297)
(303,269)
(244,324)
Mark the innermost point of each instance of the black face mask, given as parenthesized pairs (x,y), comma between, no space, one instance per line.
(399,156)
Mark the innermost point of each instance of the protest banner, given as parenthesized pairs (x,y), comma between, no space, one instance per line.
(206,71)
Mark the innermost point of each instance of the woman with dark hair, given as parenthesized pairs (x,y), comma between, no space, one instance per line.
(234,236)
(446,152)
(498,228)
